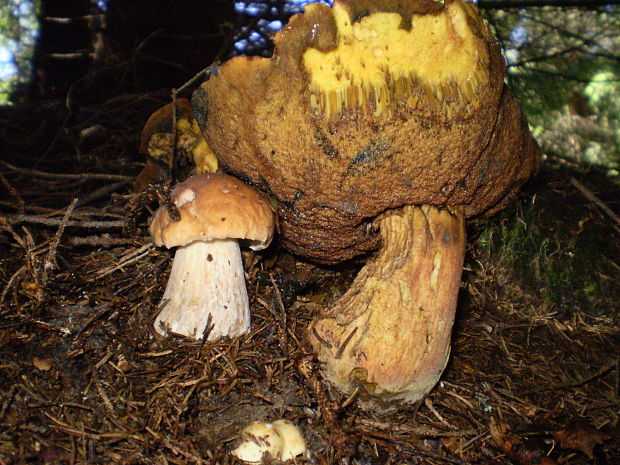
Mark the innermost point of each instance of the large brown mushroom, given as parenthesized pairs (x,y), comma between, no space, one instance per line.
(377,124)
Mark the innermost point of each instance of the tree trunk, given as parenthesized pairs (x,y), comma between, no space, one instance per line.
(64,47)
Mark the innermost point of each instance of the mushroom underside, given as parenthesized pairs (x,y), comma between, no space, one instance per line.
(390,332)
(206,287)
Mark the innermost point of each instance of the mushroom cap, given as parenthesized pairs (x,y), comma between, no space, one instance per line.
(281,439)
(366,107)
(157,137)
(214,206)
(160,122)
(294,442)
(259,438)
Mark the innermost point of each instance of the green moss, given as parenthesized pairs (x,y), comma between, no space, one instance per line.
(557,243)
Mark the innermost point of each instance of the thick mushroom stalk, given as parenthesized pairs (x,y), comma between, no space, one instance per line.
(206,292)
(391,330)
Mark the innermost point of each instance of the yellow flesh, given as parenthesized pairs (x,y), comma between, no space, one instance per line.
(375,55)
(203,156)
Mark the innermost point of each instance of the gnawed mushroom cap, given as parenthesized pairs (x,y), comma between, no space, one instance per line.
(366,107)
(214,206)
(160,122)
(156,141)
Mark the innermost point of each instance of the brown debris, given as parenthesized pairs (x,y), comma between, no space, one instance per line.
(115,394)
(581,436)
(183,403)
(518,450)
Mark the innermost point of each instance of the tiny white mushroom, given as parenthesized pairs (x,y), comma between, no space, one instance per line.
(281,440)
(259,438)
(294,443)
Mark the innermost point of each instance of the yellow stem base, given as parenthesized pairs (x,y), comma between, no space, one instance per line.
(390,332)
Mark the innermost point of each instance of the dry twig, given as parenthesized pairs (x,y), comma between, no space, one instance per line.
(47,265)
(81,176)
(105,240)
(127,260)
(18,198)
(596,201)
(86,224)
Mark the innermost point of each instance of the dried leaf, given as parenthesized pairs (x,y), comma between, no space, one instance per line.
(516,448)
(43,364)
(453,444)
(579,435)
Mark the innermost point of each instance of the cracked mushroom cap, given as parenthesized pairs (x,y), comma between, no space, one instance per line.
(281,440)
(366,107)
(214,206)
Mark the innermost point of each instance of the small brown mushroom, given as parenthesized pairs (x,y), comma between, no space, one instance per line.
(377,124)
(207,280)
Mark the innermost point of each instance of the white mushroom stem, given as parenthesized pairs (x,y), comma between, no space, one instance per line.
(207,278)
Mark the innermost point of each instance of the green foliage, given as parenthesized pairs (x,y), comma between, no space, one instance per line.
(18,32)
(603,91)
(557,245)
(563,67)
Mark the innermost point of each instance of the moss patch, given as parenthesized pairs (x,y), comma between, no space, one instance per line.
(557,243)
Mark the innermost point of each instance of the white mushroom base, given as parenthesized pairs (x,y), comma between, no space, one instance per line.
(206,278)
(280,440)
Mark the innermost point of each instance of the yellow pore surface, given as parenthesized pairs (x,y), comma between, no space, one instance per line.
(204,158)
(377,60)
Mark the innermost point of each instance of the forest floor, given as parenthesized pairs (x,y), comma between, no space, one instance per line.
(533,376)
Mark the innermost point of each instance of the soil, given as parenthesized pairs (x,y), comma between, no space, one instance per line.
(533,376)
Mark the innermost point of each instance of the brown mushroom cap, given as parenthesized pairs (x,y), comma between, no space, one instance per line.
(214,206)
(368,107)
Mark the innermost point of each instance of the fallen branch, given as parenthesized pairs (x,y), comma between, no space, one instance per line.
(127,260)
(22,270)
(596,201)
(87,224)
(18,198)
(7,401)
(55,211)
(81,176)
(421,431)
(101,241)
(610,366)
(54,245)
(103,192)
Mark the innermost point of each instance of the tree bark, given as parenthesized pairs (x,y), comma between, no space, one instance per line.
(63,47)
